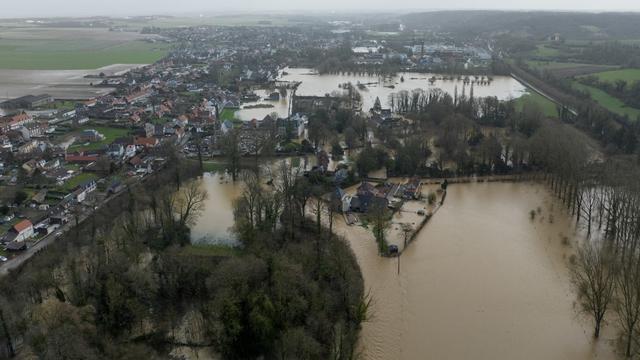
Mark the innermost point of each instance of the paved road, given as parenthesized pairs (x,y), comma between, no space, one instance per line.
(19,259)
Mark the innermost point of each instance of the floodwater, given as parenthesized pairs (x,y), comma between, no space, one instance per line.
(215,222)
(281,106)
(313,84)
(481,281)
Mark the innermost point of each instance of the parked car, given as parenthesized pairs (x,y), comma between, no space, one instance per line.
(393,249)
(3,259)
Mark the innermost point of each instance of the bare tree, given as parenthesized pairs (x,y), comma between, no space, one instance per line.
(593,275)
(628,298)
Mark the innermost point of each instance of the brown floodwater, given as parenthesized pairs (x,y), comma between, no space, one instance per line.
(481,281)
(313,84)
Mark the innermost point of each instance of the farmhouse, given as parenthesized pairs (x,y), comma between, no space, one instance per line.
(21,231)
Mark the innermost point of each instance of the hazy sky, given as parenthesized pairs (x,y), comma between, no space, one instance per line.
(43,8)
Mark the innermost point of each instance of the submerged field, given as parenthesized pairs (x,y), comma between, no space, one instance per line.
(75,49)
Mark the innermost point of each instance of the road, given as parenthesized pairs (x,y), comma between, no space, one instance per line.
(19,259)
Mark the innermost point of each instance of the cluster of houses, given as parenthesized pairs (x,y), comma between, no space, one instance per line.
(383,195)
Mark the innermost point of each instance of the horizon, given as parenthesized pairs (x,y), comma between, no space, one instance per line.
(194,8)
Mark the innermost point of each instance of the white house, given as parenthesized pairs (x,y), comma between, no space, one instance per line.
(22,230)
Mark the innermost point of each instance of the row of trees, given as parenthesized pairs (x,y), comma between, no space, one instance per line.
(604,198)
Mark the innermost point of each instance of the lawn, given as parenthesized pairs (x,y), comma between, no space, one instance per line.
(607,101)
(210,250)
(228,114)
(78,180)
(628,75)
(109,133)
(547,106)
(66,54)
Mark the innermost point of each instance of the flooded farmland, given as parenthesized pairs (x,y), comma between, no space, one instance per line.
(314,84)
(481,281)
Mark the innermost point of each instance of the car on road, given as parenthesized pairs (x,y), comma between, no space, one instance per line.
(58,233)
(3,259)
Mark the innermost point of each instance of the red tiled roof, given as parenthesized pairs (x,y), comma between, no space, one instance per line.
(22,226)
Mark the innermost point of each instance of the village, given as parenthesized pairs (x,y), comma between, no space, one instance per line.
(61,157)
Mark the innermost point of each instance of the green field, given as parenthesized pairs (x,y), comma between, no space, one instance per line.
(109,133)
(547,106)
(78,180)
(552,65)
(228,114)
(36,54)
(628,75)
(545,51)
(207,250)
(607,101)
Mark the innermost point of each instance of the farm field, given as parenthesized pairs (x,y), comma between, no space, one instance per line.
(568,69)
(627,75)
(607,101)
(38,48)
(74,55)
(227,20)
(545,51)
(547,106)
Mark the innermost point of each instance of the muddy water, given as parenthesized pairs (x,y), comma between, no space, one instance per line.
(312,84)
(214,225)
(482,281)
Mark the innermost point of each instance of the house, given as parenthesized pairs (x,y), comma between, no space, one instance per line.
(226,126)
(369,196)
(115,151)
(412,189)
(340,200)
(80,158)
(91,135)
(147,142)
(14,122)
(21,231)
(89,186)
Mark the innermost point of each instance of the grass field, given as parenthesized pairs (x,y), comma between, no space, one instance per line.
(545,51)
(28,54)
(628,75)
(552,65)
(78,180)
(207,250)
(109,133)
(547,106)
(607,101)
(228,114)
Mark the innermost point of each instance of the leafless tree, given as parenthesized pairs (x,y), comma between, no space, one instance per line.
(593,275)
